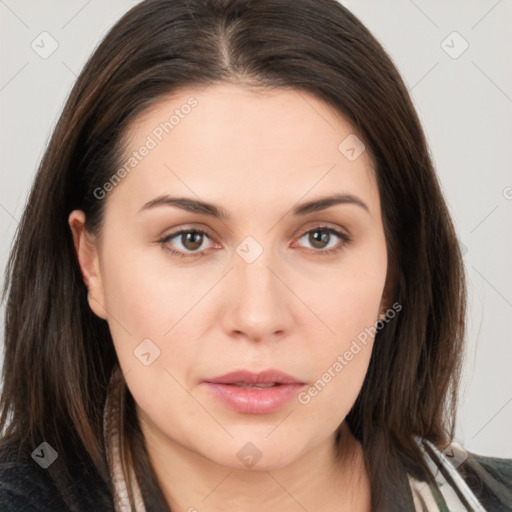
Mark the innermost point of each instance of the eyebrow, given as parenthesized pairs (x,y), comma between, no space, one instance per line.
(201,207)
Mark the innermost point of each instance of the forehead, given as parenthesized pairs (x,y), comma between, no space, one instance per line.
(264,142)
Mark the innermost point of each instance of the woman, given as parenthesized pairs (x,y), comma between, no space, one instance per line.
(236,284)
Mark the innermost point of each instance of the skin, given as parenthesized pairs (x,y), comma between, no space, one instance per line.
(257,154)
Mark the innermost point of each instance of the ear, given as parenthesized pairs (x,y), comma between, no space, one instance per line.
(86,248)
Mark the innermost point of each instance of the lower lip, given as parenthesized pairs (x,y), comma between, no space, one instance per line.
(254,401)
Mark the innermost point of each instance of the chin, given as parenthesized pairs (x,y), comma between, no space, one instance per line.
(256,455)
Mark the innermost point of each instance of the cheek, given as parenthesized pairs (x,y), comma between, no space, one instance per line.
(147,297)
(341,361)
(157,309)
(349,305)
(348,299)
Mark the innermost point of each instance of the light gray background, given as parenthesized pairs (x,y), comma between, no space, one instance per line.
(465,105)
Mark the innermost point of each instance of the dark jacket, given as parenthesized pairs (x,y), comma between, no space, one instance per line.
(26,487)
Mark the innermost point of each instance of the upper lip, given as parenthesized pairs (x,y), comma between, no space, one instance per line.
(248,377)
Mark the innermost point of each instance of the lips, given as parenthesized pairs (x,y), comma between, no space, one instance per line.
(254,393)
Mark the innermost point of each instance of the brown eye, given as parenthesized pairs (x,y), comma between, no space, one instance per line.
(192,240)
(324,239)
(186,242)
(319,238)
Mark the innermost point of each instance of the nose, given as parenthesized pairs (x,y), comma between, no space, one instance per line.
(258,304)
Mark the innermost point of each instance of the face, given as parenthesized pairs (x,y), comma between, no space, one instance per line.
(265,277)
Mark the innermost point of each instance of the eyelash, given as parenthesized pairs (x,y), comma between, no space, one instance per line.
(342,236)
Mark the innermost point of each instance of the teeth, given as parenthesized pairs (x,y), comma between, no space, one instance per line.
(255,386)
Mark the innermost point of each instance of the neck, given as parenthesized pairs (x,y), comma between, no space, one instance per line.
(325,478)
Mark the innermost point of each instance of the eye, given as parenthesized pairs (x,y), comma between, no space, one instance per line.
(323,239)
(193,242)
(189,242)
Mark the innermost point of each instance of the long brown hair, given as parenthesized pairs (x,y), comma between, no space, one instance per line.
(59,355)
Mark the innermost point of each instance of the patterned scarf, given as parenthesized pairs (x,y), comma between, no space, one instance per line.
(112,429)
(450,494)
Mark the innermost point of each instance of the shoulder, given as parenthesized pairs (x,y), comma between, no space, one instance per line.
(490,480)
(26,485)
(462,480)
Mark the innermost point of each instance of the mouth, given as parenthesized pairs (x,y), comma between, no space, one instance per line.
(254,393)
(265,378)
(255,386)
